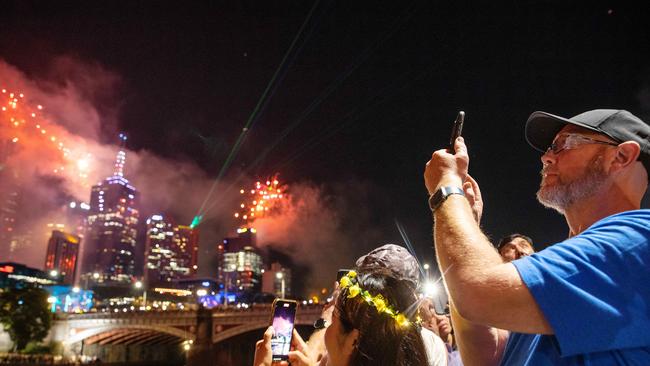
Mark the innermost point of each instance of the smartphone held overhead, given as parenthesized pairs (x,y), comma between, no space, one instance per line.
(456,131)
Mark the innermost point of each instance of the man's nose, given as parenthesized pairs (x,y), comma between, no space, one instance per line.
(548,157)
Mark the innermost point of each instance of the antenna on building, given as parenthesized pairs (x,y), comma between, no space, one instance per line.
(120,160)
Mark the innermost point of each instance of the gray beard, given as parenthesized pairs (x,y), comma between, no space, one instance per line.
(564,195)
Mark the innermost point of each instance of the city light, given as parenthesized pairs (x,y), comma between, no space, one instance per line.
(431,289)
(138,284)
(54,273)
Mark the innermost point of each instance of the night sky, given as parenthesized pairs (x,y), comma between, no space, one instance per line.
(363,92)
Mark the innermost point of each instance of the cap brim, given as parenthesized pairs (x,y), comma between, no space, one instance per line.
(542,127)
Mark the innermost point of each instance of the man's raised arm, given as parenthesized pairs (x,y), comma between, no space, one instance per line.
(484,290)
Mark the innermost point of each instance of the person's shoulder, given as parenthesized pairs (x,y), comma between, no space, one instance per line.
(626,218)
(435,347)
(640,214)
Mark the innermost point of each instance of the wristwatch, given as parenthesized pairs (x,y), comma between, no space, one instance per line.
(320,323)
(441,195)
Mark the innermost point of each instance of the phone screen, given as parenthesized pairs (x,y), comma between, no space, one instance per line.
(284,315)
(341,273)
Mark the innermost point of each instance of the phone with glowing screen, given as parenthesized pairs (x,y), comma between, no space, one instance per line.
(283,320)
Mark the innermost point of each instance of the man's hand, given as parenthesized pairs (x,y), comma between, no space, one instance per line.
(446,169)
(473,195)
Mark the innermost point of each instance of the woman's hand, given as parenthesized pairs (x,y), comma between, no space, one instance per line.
(263,351)
(300,356)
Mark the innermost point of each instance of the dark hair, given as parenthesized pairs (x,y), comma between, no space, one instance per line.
(507,239)
(382,341)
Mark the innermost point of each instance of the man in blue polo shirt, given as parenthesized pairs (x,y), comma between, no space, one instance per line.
(584,301)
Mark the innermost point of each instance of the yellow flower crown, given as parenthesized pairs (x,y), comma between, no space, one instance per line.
(350,282)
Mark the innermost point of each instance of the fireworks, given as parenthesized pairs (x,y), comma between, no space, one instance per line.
(24,125)
(259,202)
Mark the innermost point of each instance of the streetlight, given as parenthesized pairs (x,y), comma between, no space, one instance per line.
(426,268)
(431,289)
(54,273)
(139,285)
(280,276)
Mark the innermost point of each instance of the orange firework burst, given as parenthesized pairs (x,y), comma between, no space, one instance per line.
(29,133)
(260,201)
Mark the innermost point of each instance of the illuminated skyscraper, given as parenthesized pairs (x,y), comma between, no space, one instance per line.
(240,264)
(171,251)
(112,222)
(243,270)
(186,242)
(8,211)
(61,257)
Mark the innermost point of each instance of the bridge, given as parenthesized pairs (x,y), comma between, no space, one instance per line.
(200,329)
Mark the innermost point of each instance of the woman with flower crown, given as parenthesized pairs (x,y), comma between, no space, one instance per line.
(375,322)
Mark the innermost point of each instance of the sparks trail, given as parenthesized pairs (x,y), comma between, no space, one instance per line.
(25,128)
(262,200)
(271,87)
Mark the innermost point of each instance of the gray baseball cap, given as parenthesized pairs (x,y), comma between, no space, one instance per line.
(396,259)
(620,125)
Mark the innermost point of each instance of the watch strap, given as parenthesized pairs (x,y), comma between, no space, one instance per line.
(436,199)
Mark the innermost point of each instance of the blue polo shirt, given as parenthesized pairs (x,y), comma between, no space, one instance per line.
(594,290)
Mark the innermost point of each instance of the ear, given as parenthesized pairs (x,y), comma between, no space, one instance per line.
(626,154)
(350,342)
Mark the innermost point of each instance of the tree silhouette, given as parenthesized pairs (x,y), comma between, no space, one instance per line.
(24,315)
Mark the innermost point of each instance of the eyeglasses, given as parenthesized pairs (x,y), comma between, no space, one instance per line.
(568,141)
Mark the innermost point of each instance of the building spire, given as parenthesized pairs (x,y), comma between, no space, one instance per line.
(120,160)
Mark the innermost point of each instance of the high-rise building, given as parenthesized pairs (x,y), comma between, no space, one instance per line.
(227,275)
(186,241)
(243,270)
(170,251)
(61,257)
(112,227)
(8,208)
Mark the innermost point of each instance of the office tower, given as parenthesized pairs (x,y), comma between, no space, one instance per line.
(170,251)
(112,227)
(61,257)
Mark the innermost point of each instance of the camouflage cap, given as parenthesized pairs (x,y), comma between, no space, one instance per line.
(396,259)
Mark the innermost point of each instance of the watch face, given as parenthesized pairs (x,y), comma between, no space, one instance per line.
(320,323)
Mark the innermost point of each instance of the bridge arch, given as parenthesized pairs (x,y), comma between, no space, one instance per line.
(87,333)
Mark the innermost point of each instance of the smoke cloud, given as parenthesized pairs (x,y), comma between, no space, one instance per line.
(323,228)
(55,157)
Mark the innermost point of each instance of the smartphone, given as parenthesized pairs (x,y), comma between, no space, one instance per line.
(283,320)
(342,272)
(457,130)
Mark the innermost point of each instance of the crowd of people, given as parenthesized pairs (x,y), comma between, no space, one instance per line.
(583,301)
